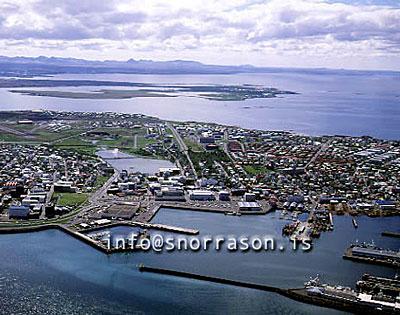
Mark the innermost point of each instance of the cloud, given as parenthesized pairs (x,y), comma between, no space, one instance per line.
(292,27)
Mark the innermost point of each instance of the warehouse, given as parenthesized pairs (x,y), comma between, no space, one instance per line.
(18,212)
(119,211)
(249,206)
(202,195)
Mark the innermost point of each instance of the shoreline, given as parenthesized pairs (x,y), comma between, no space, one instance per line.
(290,131)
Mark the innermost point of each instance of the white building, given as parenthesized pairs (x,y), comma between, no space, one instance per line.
(202,195)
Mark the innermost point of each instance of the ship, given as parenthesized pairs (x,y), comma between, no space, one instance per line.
(370,253)
(362,301)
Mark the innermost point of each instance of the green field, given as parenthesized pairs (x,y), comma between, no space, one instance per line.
(100,180)
(69,199)
(255,169)
(98,94)
(194,146)
(141,142)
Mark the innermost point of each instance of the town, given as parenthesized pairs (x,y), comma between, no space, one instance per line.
(51,172)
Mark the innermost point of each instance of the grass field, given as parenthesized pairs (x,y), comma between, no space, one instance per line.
(100,180)
(70,199)
(194,146)
(141,142)
(255,169)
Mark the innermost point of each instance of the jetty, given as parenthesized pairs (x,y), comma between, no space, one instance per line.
(156,226)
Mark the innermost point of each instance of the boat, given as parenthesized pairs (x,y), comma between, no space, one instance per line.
(370,253)
(355,223)
(341,297)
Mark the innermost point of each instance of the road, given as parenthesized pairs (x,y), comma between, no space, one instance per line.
(15,132)
(226,138)
(73,136)
(94,197)
(135,142)
(323,148)
(183,146)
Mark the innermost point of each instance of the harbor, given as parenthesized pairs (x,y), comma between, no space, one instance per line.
(314,292)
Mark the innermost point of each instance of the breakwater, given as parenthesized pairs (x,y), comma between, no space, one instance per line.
(299,294)
(81,237)
(391,234)
(188,275)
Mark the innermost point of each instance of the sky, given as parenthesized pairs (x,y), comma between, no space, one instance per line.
(347,34)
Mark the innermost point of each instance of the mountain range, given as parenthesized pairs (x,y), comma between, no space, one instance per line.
(44,66)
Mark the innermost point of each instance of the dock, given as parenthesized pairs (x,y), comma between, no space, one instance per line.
(302,232)
(211,209)
(348,254)
(168,228)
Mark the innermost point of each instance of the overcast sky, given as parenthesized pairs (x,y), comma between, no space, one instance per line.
(361,34)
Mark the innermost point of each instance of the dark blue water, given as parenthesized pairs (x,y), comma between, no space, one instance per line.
(354,103)
(50,270)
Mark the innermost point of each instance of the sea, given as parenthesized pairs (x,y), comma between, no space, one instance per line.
(328,103)
(49,272)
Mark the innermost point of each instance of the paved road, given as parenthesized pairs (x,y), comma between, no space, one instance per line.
(94,197)
(183,146)
(226,138)
(73,136)
(135,142)
(19,133)
(322,149)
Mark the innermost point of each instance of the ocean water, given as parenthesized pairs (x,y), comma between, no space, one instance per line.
(50,272)
(352,103)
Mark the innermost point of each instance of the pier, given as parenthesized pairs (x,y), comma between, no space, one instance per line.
(168,228)
(211,209)
(372,258)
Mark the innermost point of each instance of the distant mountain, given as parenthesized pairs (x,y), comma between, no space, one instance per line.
(27,66)
(42,66)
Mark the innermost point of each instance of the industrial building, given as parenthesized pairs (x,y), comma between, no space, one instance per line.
(202,195)
(224,196)
(18,212)
(121,211)
(249,206)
